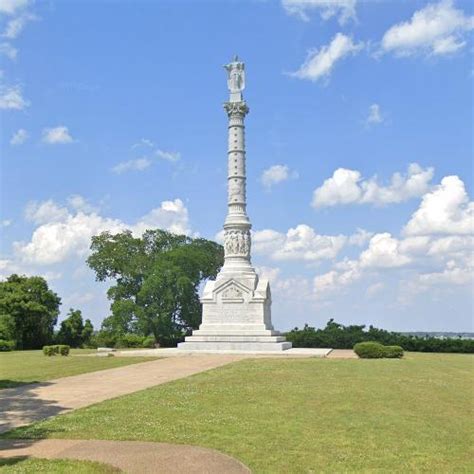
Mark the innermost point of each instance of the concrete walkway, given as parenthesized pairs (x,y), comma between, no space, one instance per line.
(33,402)
(129,456)
(342,354)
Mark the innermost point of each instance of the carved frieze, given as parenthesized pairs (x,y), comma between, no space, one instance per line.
(237,242)
(231,293)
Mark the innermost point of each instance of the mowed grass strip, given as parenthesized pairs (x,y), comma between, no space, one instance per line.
(302,415)
(54,466)
(20,367)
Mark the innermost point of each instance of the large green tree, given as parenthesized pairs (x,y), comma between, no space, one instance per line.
(30,308)
(87,332)
(73,331)
(157,278)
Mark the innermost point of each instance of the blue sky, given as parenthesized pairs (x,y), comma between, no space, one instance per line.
(359,146)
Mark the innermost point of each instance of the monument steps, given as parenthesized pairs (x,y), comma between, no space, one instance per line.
(230,330)
(235,338)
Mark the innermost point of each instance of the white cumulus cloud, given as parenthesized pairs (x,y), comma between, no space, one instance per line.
(349,187)
(65,233)
(437,29)
(299,243)
(19,137)
(277,174)
(320,62)
(45,212)
(57,135)
(445,210)
(383,252)
(436,248)
(343,9)
(171,215)
(11,98)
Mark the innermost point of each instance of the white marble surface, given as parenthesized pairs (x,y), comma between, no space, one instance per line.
(175,352)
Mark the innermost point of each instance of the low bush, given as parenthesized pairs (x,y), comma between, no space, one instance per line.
(103,339)
(369,350)
(393,352)
(62,349)
(129,340)
(375,350)
(49,350)
(6,346)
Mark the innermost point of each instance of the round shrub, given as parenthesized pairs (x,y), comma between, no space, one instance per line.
(63,349)
(6,346)
(393,352)
(369,350)
(49,350)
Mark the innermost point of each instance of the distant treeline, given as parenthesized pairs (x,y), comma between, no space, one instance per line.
(440,334)
(338,336)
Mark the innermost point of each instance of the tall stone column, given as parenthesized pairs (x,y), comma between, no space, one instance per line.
(237,238)
(236,307)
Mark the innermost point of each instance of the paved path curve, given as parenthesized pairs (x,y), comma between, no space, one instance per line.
(33,402)
(129,456)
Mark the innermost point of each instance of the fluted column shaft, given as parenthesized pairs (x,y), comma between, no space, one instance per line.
(237,240)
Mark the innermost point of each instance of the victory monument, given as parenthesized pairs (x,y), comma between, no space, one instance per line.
(236,307)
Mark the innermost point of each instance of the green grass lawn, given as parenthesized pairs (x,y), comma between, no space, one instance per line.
(20,367)
(302,415)
(55,466)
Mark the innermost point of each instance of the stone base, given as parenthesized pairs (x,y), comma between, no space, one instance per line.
(236,317)
(235,343)
(175,352)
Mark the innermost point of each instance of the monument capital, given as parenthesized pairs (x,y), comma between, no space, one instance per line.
(238,109)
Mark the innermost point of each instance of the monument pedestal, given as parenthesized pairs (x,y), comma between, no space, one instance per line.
(236,317)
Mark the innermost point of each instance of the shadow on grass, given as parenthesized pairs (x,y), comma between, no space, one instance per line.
(12,461)
(13,383)
(22,406)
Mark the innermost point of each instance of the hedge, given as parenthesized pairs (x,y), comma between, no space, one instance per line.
(375,350)
(61,349)
(338,336)
(369,350)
